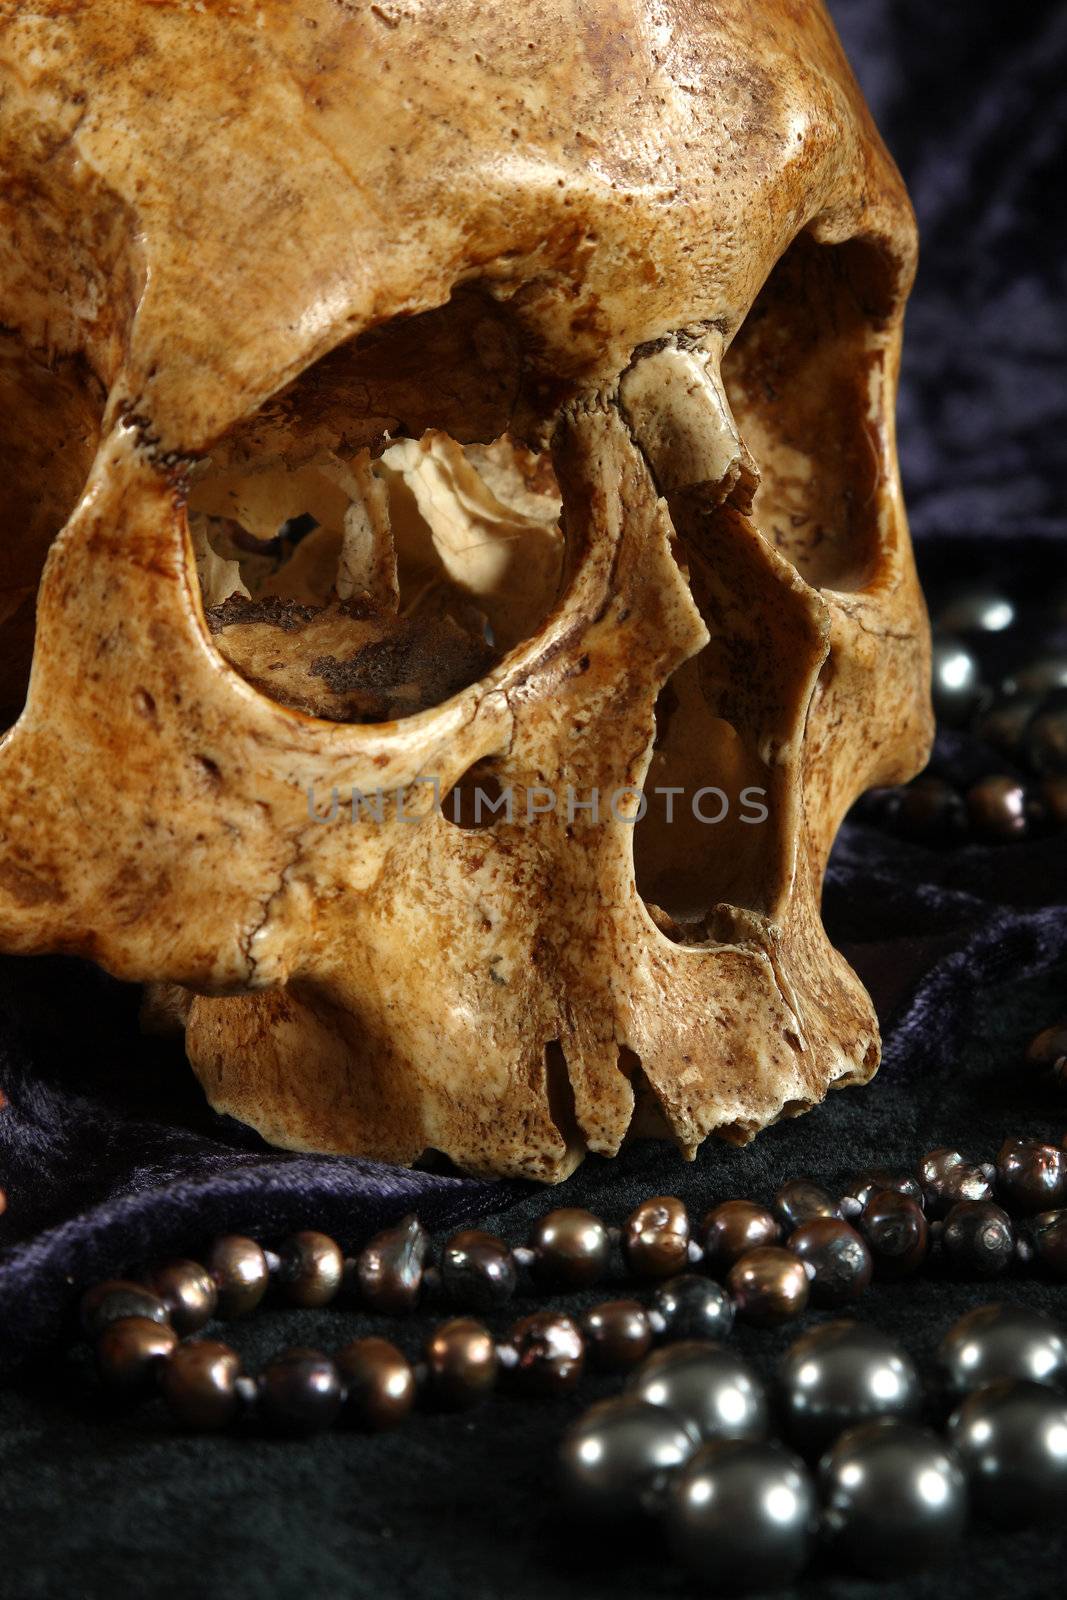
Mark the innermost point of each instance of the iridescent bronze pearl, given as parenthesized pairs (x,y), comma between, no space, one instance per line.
(996,807)
(1032,1176)
(860,1188)
(1048,1050)
(188,1292)
(3,1201)
(838,1256)
(199,1384)
(1046,739)
(769,1286)
(571,1248)
(930,811)
(118,1298)
(735,1227)
(130,1353)
(240,1274)
(655,1240)
(947,1178)
(551,1352)
(618,1335)
(966,1182)
(1047,1235)
(311,1269)
(389,1268)
(1053,800)
(935,1166)
(461,1362)
(800,1200)
(300,1393)
(379,1383)
(896,1232)
(694,1307)
(478,1270)
(978,1238)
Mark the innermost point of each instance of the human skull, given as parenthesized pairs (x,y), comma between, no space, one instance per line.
(413,275)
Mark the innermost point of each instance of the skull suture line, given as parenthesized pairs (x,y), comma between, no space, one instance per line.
(402,274)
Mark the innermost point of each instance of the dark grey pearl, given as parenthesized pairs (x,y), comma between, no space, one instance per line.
(240,1274)
(1012,1440)
(571,1248)
(841,1374)
(956,682)
(618,1458)
(693,1307)
(742,1516)
(707,1386)
(1002,1341)
(1047,1236)
(896,1231)
(977,611)
(618,1334)
(115,1299)
(996,806)
(655,1240)
(199,1384)
(1032,1176)
(300,1392)
(860,1188)
(311,1269)
(188,1292)
(978,1239)
(895,1498)
(389,1268)
(799,1201)
(837,1258)
(478,1270)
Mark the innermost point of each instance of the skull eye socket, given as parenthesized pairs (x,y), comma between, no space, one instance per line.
(359,576)
(50,417)
(804,377)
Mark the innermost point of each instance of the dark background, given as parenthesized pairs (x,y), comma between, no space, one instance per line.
(108,1155)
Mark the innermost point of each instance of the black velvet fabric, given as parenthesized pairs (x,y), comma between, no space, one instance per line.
(109,1156)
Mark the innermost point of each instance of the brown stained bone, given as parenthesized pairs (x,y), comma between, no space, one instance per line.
(662,244)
